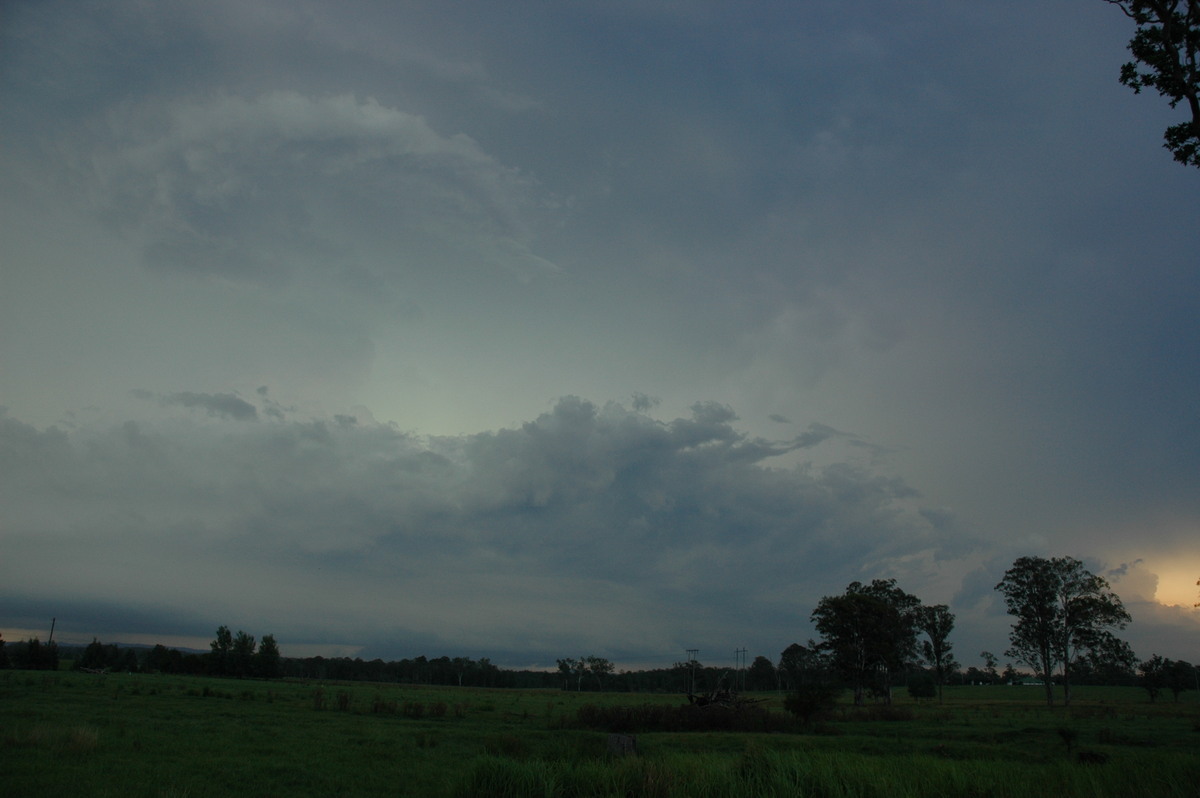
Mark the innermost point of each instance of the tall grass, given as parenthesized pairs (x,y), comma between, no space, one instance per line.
(773,774)
(132,736)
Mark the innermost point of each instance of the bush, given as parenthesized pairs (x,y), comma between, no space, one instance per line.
(811,702)
(922,686)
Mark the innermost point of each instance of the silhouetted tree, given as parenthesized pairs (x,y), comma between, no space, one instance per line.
(937,622)
(107,655)
(578,669)
(566,669)
(1180,677)
(813,685)
(488,674)
(1152,676)
(1114,665)
(761,675)
(461,666)
(871,632)
(798,663)
(1011,675)
(267,660)
(33,656)
(1164,48)
(94,657)
(598,667)
(989,665)
(241,655)
(923,685)
(221,648)
(1062,610)
(163,660)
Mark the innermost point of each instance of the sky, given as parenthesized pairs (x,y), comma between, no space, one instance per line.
(541,329)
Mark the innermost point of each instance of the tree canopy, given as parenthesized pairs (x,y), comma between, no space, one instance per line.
(936,622)
(1062,611)
(582,667)
(870,631)
(1164,50)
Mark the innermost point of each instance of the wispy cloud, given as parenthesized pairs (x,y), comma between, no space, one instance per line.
(255,187)
(226,405)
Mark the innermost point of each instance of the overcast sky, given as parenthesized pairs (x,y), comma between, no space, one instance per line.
(543,329)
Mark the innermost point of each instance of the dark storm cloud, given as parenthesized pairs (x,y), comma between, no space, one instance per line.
(107,618)
(582,500)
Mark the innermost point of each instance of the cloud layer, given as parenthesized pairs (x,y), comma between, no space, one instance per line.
(291,288)
(588,528)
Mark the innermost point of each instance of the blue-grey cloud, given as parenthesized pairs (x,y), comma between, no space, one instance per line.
(213,185)
(583,500)
(226,405)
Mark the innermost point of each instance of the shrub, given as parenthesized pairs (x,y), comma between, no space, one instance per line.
(810,702)
(922,686)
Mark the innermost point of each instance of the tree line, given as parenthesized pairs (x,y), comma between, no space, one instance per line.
(238,655)
(30,655)
(873,638)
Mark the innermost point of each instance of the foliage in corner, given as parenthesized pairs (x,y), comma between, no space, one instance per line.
(1164,49)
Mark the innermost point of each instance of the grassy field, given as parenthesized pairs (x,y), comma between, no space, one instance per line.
(122,735)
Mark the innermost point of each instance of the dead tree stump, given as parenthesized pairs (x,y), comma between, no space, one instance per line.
(622,744)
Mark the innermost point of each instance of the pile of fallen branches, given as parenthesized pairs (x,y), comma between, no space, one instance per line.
(722,697)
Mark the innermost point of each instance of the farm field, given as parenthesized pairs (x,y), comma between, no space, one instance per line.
(78,734)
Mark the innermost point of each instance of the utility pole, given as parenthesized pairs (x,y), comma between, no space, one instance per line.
(691,654)
(740,660)
(52,622)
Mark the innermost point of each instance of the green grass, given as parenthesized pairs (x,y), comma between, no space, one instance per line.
(129,735)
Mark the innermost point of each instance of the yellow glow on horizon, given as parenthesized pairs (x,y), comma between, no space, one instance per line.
(1177,584)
